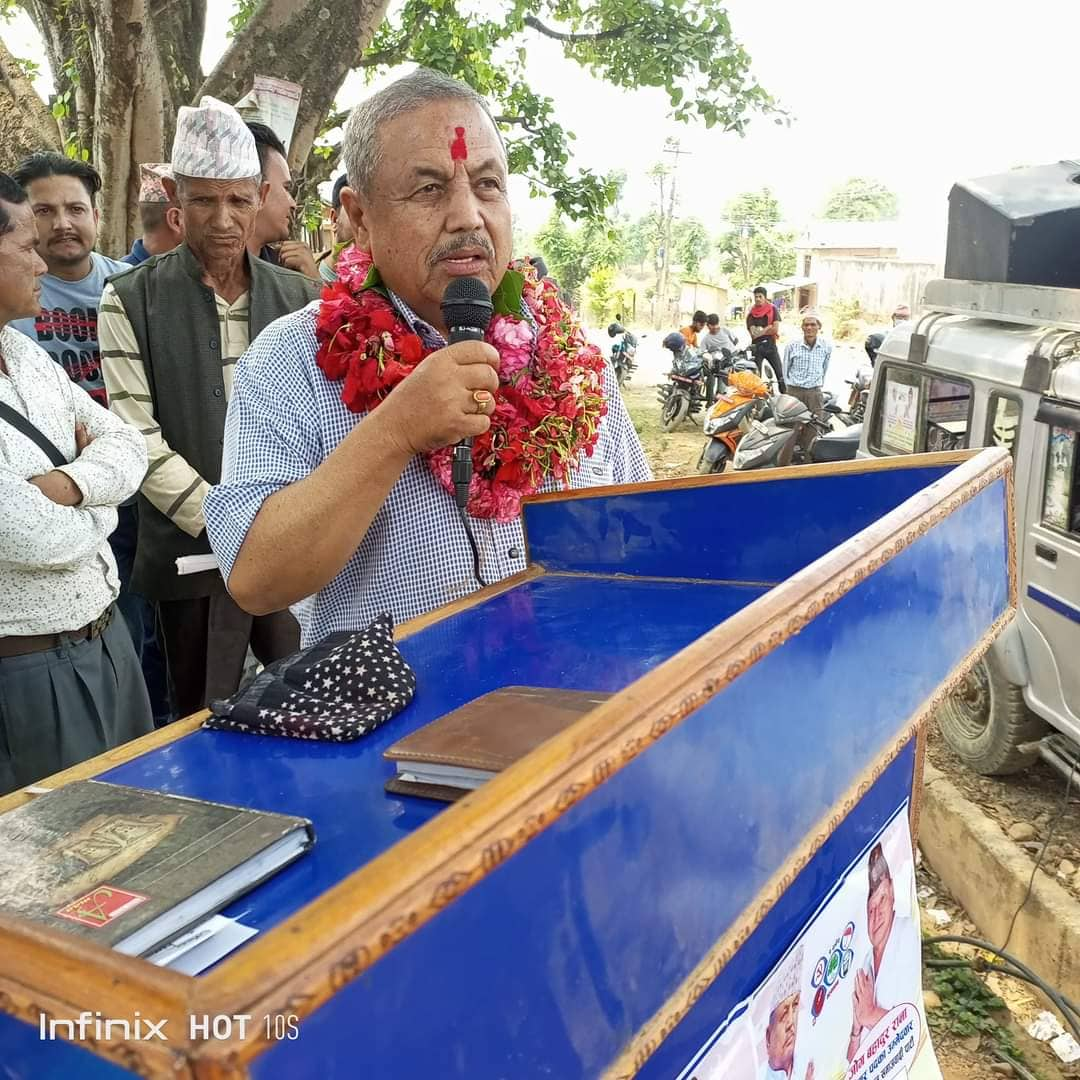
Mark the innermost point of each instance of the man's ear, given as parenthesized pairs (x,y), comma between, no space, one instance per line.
(264,190)
(174,217)
(357,214)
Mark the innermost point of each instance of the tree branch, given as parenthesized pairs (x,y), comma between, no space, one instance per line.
(518,121)
(397,53)
(581,39)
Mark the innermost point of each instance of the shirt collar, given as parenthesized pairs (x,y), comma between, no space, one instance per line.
(427,333)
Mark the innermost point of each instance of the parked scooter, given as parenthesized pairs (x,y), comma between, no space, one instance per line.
(744,400)
(684,393)
(623,349)
(772,443)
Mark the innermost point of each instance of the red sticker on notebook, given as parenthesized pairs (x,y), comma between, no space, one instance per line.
(102,906)
(458,150)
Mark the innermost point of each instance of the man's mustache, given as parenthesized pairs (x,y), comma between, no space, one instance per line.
(452,247)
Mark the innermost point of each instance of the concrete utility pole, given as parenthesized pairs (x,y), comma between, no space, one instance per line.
(670,147)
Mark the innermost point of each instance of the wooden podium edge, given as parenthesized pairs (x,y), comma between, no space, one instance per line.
(335,938)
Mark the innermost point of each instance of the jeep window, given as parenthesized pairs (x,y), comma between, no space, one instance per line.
(919,411)
(948,415)
(1003,422)
(1061,493)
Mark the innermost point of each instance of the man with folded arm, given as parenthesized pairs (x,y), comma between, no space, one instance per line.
(171,332)
(70,683)
(336,486)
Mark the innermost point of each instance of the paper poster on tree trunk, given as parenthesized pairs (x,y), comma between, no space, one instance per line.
(273,102)
(845,1002)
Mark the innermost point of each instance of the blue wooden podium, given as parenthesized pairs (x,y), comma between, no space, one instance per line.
(775,643)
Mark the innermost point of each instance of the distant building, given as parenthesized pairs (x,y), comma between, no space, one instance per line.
(873,262)
(704,296)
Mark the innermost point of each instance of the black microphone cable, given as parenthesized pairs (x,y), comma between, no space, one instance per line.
(467,310)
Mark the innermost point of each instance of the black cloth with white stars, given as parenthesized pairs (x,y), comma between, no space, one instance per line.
(343,687)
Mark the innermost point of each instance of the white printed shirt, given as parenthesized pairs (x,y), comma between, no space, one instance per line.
(285,418)
(57,571)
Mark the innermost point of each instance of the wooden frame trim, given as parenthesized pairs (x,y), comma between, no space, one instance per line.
(474,599)
(764,476)
(339,935)
(671,1013)
(111,758)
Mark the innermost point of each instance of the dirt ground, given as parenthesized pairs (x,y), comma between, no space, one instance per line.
(1034,797)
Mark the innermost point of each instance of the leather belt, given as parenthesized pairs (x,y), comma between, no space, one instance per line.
(33,643)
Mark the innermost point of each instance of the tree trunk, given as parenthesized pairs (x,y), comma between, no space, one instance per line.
(312,42)
(26,124)
(129,65)
(127,71)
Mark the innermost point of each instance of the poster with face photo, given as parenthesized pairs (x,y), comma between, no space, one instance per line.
(1059,471)
(845,1002)
(900,414)
(862,987)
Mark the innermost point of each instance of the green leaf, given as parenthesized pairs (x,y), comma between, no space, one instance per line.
(374,281)
(506,299)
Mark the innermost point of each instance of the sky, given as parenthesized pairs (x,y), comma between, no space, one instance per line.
(918,94)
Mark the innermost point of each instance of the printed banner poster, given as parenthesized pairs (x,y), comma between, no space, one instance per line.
(846,1001)
(901,412)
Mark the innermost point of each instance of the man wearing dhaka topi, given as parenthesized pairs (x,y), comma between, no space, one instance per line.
(336,491)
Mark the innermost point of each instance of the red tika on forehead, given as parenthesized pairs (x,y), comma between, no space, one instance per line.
(458,150)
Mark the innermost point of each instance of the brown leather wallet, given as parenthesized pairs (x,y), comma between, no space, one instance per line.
(34,643)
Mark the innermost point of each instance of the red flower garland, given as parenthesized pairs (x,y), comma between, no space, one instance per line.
(547,408)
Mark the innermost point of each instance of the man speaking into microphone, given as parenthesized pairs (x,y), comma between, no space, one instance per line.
(337,489)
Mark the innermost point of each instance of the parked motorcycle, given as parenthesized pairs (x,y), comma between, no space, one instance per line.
(684,393)
(772,443)
(623,350)
(744,400)
(860,394)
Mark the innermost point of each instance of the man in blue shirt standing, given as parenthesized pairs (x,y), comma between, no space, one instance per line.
(805,365)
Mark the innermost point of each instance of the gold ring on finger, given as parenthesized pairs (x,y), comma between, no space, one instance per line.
(482,399)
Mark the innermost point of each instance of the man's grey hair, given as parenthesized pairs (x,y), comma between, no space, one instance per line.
(362,148)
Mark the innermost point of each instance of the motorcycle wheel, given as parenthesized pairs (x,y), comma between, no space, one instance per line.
(675,409)
(708,468)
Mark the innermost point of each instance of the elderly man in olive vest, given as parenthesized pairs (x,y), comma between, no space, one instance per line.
(171,332)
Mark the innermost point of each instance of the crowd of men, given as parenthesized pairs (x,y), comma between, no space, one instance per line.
(169,406)
(140,338)
(805,363)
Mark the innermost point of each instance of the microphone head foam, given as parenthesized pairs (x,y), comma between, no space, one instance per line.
(467,302)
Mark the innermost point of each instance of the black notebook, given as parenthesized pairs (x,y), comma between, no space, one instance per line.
(133,869)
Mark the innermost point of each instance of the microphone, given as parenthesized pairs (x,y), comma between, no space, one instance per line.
(467,310)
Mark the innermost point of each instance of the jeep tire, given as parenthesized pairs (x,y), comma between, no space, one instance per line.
(986,721)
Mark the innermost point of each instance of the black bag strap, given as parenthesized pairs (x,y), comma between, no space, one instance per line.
(21,424)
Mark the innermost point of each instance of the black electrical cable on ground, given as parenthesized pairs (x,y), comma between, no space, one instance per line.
(1021,1071)
(1017,968)
(1042,856)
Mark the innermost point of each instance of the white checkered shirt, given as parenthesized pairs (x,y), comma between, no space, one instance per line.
(805,367)
(285,417)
